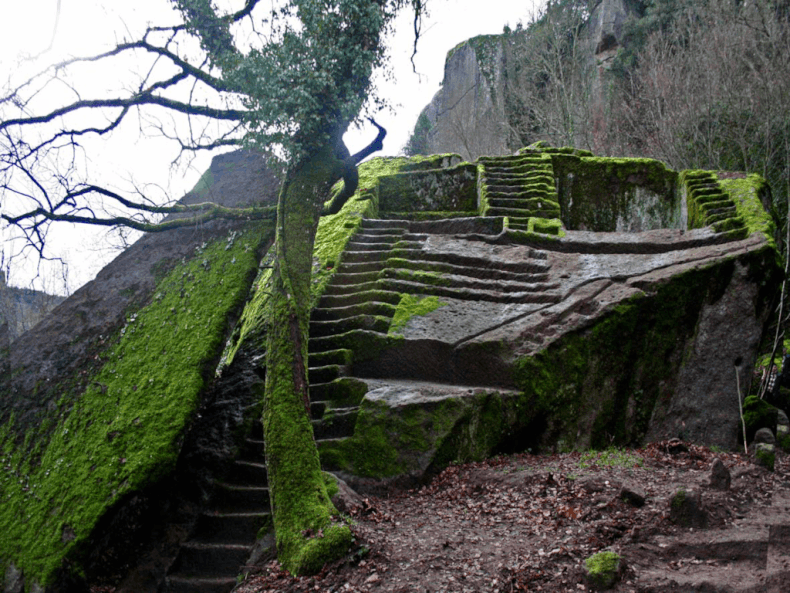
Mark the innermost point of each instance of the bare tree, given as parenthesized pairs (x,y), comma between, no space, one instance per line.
(291,74)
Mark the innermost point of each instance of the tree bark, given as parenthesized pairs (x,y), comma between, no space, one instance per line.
(308,532)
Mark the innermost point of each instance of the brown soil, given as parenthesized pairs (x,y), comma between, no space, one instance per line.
(527,522)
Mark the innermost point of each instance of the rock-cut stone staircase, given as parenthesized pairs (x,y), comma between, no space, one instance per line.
(224,535)
(519,187)
(385,260)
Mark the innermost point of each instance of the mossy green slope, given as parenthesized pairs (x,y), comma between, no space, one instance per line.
(124,431)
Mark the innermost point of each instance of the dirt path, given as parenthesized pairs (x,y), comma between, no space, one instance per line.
(526,523)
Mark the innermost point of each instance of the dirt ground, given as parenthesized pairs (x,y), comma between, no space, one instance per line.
(527,522)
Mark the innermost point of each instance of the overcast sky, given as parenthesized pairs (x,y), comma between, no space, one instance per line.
(87,26)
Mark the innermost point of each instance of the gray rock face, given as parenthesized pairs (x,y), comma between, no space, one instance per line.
(471,114)
(22,308)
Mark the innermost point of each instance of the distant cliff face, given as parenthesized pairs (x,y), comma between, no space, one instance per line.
(21,309)
(492,83)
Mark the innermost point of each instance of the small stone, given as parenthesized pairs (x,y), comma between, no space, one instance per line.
(686,509)
(675,447)
(633,495)
(720,478)
(764,435)
(781,418)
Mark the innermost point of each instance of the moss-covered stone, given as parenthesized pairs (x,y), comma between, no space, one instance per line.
(124,432)
(411,306)
(607,194)
(603,569)
(422,436)
(757,414)
(766,455)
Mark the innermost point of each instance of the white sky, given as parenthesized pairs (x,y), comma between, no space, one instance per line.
(88,26)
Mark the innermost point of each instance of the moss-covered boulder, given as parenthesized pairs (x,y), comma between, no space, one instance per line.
(603,569)
(98,400)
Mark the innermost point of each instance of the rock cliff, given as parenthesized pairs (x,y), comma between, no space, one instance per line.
(476,111)
(21,309)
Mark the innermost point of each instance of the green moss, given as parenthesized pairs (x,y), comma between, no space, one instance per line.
(123,432)
(750,195)
(602,194)
(606,382)
(757,414)
(411,306)
(611,457)
(603,569)
(445,189)
(766,456)
(546,226)
(426,436)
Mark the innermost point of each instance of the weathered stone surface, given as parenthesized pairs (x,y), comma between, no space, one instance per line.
(764,435)
(471,114)
(686,509)
(633,494)
(719,478)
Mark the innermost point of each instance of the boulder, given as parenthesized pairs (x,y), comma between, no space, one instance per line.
(686,509)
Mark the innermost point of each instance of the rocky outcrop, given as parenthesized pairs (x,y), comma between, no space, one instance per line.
(474,113)
(449,339)
(549,300)
(97,402)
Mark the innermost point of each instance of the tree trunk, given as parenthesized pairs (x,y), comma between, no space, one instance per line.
(307,529)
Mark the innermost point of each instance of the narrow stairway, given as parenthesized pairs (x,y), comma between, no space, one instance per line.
(519,187)
(224,535)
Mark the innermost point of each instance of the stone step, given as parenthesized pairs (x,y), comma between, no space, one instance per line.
(245,471)
(539,203)
(536,294)
(358,268)
(184,584)
(355,257)
(338,289)
(534,264)
(393,280)
(367,246)
(327,373)
(345,300)
(354,339)
(336,423)
(520,213)
(327,328)
(529,174)
(230,498)
(252,449)
(342,279)
(535,271)
(387,237)
(342,392)
(377,225)
(229,528)
(342,356)
(371,307)
(210,560)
